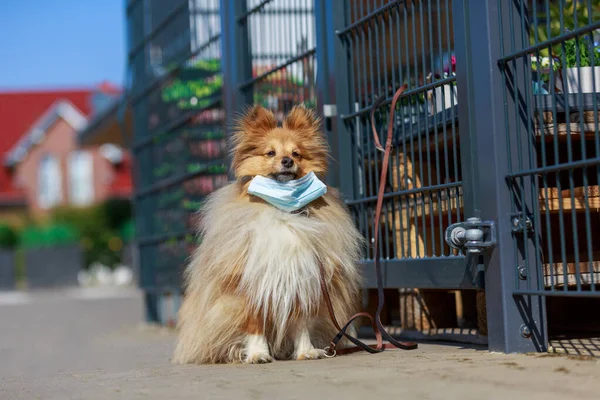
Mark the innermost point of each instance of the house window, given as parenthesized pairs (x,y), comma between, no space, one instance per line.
(49,182)
(81,178)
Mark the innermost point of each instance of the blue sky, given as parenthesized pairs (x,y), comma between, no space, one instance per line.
(61,43)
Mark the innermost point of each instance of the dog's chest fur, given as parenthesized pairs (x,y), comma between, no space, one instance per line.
(281,275)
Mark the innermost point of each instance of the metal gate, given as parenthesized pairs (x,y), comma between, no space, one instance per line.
(537,97)
(487,152)
(180,139)
(376,47)
(493,182)
(367,49)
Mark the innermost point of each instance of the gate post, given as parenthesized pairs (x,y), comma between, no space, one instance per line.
(515,323)
(332,89)
(236,61)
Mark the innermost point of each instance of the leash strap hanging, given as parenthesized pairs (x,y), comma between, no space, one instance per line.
(377,326)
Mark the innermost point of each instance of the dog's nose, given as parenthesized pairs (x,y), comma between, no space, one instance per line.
(287,162)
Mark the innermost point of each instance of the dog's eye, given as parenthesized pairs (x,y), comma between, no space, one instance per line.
(295,154)
(271,153)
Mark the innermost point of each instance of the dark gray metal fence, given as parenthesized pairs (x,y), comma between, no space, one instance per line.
(271,59)
(180,144)
(553,157)
(383,45)
(495,170)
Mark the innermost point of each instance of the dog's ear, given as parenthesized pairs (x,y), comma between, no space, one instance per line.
(301,118)
(257,120)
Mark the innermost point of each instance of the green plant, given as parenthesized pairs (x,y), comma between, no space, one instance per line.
(117,212)
(55,234)
(543,64)
(542,67)
(127,231)
(581,50)
(97,227)
(8,237)
(562,16)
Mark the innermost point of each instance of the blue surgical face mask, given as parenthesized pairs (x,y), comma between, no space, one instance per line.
(288,196)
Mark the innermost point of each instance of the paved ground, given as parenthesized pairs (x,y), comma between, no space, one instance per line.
(85,345)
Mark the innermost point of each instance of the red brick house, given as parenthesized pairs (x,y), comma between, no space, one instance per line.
(43,164)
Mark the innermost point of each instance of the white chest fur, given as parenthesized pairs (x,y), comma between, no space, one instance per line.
(282,271)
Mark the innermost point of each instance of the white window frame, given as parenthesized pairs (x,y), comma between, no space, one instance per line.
(81,177)
(49,182)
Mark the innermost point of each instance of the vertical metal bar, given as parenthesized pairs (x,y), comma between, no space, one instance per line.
(544,156)
(325,94)
(236,61)
(141,168)
(457,171)
(413,85)
(464,69)
(420,196)
(444,135)
(436,136)
(404,131)
(531,153)
(515,323)
(597,153)
(331,18)
(427,147)
(403,201)
(570,159)
(557,146)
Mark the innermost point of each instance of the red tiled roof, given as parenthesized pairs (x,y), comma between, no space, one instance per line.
(19,110)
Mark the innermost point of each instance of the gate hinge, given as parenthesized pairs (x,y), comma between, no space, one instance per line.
(473,235)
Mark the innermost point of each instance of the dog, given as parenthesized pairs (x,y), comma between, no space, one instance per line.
(252,287)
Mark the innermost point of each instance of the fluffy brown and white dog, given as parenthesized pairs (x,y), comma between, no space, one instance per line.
(253,286)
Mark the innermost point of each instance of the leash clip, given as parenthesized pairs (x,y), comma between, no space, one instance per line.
(330,351)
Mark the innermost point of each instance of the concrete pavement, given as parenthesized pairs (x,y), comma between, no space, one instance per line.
(90,345)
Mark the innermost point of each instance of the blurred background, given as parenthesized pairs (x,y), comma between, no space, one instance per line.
(65,171)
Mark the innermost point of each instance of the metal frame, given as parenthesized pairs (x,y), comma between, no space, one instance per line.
(508,317)
(161,286)
(335,53)
(237,66)
(498,154)
(333,83)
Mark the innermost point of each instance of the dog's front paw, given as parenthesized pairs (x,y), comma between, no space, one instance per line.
(258,358)
(311,354)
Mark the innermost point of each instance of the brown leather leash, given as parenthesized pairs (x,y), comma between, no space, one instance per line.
(378,328)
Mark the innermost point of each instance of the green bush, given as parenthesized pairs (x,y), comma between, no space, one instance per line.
(99,228)
(117,212)
(48,236)
(127,231)
(583,50)
(8,237)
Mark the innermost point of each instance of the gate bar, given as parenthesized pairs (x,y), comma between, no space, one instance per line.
(516,321)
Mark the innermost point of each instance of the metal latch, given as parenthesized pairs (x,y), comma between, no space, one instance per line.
(474,235)
(329,110)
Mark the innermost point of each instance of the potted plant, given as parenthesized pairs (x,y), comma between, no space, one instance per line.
(556,17)
(443,97)
(541,69)
(8,242)
(582,70)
